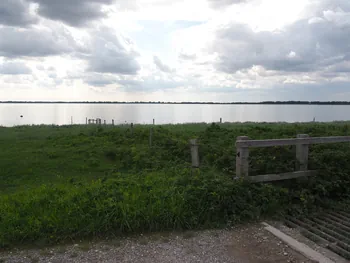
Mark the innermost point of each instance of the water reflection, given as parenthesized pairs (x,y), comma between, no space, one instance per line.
(10,114)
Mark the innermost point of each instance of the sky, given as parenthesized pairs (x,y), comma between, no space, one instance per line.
(174,50)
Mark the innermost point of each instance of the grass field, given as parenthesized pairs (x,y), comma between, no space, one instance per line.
(67,182)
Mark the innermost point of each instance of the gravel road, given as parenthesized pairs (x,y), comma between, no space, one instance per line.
(246,244)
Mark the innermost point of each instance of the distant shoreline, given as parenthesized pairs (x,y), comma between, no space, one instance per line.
(186,103)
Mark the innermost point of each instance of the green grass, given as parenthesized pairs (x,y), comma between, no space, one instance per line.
(69,182)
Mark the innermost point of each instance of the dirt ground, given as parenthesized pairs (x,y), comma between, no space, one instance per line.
(246,244)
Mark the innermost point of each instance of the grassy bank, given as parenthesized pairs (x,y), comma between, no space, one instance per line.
(66,182)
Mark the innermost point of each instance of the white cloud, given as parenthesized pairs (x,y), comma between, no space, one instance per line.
(160,65)
(35,42)
(109,52)
(14,68)
(145,48)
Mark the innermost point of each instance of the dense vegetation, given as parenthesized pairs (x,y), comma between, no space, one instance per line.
(59,183)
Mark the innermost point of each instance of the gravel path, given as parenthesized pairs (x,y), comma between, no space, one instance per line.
(248,244)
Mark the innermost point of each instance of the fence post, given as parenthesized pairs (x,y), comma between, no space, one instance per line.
(194,153)
(302,154)
(242,159)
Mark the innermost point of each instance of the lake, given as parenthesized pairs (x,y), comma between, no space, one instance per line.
(10,114)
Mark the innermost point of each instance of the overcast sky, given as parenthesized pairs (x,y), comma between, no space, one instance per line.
(175,50)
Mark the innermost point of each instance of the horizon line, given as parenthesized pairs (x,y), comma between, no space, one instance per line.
(174,102)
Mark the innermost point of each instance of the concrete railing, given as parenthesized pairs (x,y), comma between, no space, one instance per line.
(302,143)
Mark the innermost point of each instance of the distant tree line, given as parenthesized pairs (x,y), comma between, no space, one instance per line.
(187,102)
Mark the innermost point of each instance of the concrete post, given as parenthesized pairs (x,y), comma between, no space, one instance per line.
(194,153)
(242,159)
(302,154)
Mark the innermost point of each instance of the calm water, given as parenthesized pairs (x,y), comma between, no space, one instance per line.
(163,113)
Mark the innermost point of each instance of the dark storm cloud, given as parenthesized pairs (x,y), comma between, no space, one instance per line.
(33,42)
(14,68)
(109,53)
(306,45)
(160,65)
(72,12)
(15,13)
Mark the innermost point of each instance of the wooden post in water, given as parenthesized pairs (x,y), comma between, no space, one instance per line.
(194,153)
(302,154)
(242,159)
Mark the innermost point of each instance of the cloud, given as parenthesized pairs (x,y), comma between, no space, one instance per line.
(185,56)
(34,42)
(72,12)
(130,83)
(160,65)
(111,53)
(14,68)
(150,84)
(299,47)
(99,80)
(317,8)
(342,67)
(224,3)
(15,13)
(40,67)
